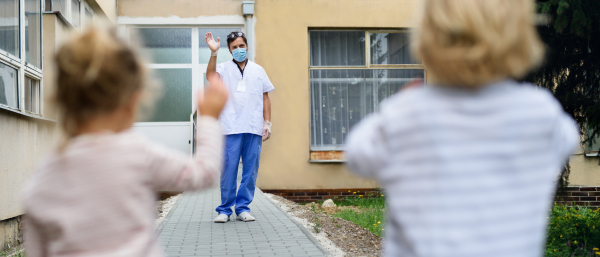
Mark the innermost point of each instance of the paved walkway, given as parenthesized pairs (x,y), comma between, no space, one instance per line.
(189,230)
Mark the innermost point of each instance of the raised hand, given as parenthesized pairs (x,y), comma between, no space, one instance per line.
(213,99)
(214,46)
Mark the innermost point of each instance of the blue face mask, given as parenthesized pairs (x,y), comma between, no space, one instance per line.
(239,54)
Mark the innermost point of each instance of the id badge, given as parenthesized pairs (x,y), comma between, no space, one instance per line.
(241,87)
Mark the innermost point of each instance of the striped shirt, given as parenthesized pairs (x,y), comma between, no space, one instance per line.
(97,197)
(466,172)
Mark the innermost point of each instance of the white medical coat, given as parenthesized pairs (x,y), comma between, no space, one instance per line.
(243,112)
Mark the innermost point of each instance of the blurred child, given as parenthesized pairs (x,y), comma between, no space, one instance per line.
(469,162)
(95,195)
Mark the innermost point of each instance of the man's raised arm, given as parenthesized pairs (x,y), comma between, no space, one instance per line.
(214,48)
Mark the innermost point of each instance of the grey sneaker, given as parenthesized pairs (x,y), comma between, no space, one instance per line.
(222,218)
(245,216)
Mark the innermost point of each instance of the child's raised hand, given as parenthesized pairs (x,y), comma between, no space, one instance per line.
(213,99)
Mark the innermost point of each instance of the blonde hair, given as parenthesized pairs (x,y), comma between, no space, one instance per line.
(473,42)
(96,74)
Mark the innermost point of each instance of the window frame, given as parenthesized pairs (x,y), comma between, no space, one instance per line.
(6,56)
(321,153)
(36,99)
(83,8)
(25,69)
(68,13)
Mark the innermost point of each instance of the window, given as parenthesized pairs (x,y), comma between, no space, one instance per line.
(351,73)
(9,27)
(58,6)
(591,149)
(33,39)
(75,11)
(87,16)
(175,103)
(32,95)
(169,45)
(170,52)
(174,53)
(20,55)
(8,86)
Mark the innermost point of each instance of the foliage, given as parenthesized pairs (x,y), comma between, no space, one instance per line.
(572,67)
(19,254)
(368,201)
(370,213)
(573,232)
(369,218)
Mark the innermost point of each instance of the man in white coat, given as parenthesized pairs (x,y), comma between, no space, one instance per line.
(245,121)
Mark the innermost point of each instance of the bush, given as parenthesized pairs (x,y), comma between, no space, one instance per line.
(573,231)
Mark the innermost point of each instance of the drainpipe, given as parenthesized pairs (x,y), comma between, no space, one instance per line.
(248,11)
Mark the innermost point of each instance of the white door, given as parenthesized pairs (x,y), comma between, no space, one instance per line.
(178,58)
(175,135)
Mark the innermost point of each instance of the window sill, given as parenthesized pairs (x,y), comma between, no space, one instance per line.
(591,154)
(327,161)
(61,17)
(326,157)
(33,116)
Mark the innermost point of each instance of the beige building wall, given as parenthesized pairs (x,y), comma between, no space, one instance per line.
(107,8)
(585,171)
(178,8)
(24,142)
(27,140)
(282,49)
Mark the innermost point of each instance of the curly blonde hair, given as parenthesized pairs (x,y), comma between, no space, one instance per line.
(470,43)
(96,74)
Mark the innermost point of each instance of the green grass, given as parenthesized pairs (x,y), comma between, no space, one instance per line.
(370,213)
(369,201)
(369,218)
(16,255)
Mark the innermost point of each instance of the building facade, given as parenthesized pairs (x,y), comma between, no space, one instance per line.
(30,32)
(331,62)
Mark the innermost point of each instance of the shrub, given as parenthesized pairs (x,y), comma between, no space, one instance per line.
(573,231)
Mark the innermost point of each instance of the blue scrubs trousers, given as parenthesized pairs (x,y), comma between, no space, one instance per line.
(248,147)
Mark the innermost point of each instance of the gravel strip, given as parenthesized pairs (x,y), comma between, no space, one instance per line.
(338,236)
(163,207)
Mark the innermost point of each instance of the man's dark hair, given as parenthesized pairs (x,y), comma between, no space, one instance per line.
(234,35)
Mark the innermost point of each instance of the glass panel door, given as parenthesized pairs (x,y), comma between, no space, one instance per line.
(175,105)
(167,45)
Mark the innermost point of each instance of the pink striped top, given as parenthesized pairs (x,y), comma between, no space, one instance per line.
(97,198)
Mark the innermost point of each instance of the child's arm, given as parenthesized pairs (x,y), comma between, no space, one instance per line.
(176,172)
(366,151)
(173,171)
